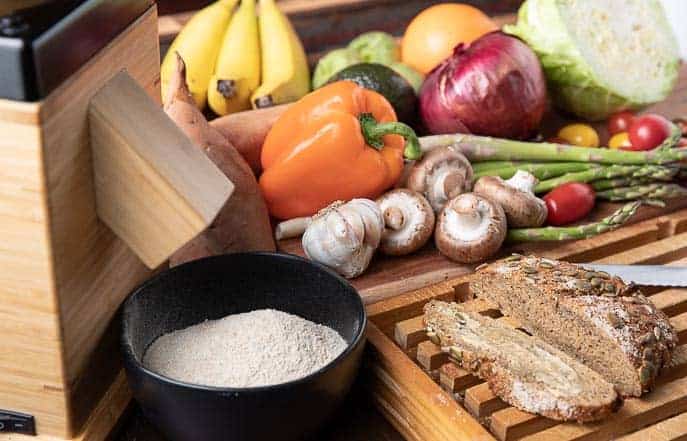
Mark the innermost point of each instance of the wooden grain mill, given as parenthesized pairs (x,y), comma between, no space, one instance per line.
(97,188)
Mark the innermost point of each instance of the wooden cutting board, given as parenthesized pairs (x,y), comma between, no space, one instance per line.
(389,276)
(428,398)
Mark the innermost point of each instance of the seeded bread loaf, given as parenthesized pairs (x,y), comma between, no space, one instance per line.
(524,371)
(607,325)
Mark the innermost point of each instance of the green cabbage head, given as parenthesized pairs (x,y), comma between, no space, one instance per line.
(601,56)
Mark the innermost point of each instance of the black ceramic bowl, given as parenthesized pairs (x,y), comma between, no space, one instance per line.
(212,288)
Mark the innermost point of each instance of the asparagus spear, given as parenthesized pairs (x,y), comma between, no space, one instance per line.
(492,165)
(658,197)
(539,170)
(484,148)
(667,191)
(611,222)
(592,174)
(655,172)
(628,193)
(626,181)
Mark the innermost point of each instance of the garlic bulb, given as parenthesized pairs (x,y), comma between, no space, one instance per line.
(344,236)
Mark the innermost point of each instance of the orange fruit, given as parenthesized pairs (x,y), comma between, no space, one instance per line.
(431,36)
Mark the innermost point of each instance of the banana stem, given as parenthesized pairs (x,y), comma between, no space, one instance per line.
(373,132)
(611,222)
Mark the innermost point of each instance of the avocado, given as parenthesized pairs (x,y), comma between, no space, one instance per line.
(387,82)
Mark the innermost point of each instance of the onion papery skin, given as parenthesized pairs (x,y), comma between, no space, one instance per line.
(494,87)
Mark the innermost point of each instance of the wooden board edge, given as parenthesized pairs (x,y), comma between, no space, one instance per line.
(384,357)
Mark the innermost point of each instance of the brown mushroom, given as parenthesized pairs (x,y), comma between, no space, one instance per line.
(409,221)
(470,228)
(442,174)
(516,196)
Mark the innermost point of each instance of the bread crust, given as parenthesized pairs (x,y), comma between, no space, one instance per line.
(619,311)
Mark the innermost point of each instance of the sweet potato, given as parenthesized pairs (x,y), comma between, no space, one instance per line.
(247,131)
(243,224)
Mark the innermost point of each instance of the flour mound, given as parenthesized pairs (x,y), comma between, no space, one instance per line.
(258,348)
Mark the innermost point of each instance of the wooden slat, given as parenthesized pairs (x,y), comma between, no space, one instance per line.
(430,356)
(481,401)
(455,379)
(668,400)
(671,301)
(661,251)
(409,333)
(677,222)
(672,429)
(510,424)
(679,322)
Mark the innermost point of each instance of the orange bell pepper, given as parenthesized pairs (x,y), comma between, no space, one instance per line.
(337,143)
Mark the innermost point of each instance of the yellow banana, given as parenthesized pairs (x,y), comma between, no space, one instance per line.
(237,73)
(285,74)
(198,44)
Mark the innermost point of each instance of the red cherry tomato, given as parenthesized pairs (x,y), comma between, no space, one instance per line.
(569,202)
(620,122)
(648,131)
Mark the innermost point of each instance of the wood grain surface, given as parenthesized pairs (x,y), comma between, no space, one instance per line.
(154,188)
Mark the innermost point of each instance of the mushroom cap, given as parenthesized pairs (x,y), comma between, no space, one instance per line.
(470,228)
(409,221)
(442,174)
(522,207)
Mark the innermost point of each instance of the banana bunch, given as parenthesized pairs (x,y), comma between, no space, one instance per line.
(238,57)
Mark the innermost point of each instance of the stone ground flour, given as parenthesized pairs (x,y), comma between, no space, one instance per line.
(257,348)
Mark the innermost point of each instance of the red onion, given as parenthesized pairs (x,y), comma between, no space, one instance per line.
(493,87)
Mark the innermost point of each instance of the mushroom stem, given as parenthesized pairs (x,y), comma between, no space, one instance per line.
(466,218)
(393,218)
(453,184)
(523,181)
(291,228)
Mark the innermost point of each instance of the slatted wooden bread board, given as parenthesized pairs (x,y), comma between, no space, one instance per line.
(429,398)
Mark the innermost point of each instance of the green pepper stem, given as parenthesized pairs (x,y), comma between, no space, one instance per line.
(373,132)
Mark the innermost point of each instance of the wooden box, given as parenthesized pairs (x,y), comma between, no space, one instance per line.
(63,271)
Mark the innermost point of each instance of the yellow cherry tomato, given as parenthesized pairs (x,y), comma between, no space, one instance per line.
(582,135)
(619,140)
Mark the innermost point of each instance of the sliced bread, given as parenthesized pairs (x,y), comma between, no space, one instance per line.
(524,371)
(604,323)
